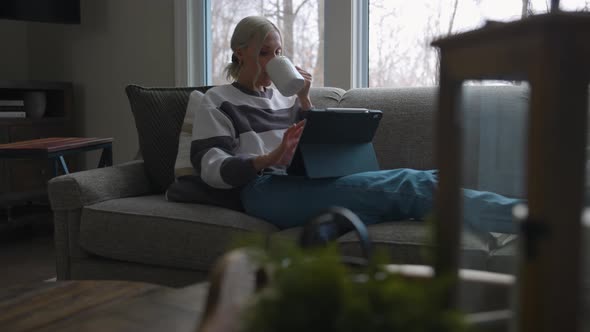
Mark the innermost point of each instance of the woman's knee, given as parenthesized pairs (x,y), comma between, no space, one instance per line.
(415,182)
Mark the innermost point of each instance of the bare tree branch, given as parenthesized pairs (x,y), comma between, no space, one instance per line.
(299,7)
(525,8)
(455,6)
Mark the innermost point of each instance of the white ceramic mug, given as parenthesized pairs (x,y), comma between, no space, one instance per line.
(284,75)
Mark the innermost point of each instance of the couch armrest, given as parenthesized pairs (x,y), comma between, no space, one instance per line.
(69,193)
(76,190)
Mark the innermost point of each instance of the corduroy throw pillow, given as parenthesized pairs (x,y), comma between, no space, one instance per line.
(159,113)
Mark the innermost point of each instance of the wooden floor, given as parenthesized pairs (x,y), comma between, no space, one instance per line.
(26,252)
(89,305)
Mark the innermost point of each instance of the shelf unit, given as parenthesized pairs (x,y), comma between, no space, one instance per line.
(22,180)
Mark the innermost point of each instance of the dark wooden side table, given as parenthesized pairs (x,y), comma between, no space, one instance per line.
(52,148)
(56,148)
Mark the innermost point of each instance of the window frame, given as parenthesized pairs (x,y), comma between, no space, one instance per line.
(192,35)
(360,44)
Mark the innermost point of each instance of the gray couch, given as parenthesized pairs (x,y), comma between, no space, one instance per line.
(115,223)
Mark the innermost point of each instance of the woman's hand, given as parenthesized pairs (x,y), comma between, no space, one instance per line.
(303,94)
(282,155)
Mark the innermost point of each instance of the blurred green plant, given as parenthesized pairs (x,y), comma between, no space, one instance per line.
(312,290)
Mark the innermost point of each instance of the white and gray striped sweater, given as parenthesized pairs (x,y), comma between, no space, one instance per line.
(232,126)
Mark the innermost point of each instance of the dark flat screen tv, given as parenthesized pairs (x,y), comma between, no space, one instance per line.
(53,11)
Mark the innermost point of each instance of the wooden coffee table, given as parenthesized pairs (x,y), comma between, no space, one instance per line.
(101,306)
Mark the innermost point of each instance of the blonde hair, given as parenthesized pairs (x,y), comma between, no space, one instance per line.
(251,28)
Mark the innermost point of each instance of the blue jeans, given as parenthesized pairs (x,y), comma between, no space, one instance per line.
(388,195)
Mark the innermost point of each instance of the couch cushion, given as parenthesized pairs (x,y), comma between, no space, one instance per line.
(406,241)
(325,97)
(403,240)
(153,231)
(158,114)
(404,137)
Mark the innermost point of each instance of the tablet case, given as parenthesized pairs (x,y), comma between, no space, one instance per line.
(336,142)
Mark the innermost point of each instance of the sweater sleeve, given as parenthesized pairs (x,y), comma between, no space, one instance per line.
(213,148)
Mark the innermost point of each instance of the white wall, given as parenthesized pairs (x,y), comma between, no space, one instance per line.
(14,54)
(119,42)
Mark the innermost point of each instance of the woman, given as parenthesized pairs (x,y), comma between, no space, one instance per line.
(244,135)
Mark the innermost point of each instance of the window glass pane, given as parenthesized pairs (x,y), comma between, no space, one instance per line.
(300,21)
(400,32)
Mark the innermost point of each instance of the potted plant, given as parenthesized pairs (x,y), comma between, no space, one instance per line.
(312,290)
(297,287)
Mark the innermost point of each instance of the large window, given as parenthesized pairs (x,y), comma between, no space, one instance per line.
(301,22)
(400,32)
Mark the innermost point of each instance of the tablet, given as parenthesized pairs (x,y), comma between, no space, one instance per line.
(340,125)
(336,142)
